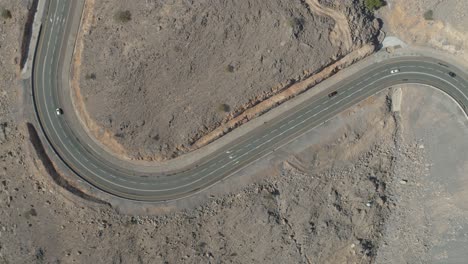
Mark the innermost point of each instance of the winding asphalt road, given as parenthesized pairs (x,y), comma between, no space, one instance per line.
(119,180)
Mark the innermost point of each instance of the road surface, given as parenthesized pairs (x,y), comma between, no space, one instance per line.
(117,179)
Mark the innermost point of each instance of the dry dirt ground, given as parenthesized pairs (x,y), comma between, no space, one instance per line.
(373,186)
(445,31)
(360,193)
(157,83)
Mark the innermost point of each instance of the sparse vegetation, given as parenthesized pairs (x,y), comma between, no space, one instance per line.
(374,4)
(224,108)
(240,66)
(230,68)
(5,13)
(429,15)
(123,16)
(201,248)
(296,24)
(90,76)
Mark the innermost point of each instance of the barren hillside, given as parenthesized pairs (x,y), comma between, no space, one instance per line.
(174,71)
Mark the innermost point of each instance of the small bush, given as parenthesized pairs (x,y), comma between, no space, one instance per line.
(90,76)
(201,248)
(5,13)
(296,24)
(224,108)
(230,68)
(429,15)
(374,4)
(123,16)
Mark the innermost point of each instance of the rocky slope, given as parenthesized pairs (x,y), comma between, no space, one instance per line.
(175,71)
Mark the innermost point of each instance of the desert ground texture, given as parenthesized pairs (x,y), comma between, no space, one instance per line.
(177,70)
(383,182)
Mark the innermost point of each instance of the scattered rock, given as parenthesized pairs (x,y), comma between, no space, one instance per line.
(282,42)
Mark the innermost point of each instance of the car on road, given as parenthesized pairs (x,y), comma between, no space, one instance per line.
(394,71)
(452,74)
(332,94)
(59,111)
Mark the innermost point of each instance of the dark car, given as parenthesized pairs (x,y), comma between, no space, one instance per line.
(452,74)
(332,94)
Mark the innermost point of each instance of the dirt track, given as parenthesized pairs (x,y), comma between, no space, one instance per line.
(341,34)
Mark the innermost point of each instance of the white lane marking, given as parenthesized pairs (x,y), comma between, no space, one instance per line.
(47,110)
(314,115)
(280,134)
(335,103)
(443,80)
(256,147)
(304,120)
(60,125)
(54,51)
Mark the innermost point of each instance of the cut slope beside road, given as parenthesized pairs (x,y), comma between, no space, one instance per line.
(230,58)
(86,160)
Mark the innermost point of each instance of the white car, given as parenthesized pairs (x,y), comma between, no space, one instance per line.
(394,71)
(59,111)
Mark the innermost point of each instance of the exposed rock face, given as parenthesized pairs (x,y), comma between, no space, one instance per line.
(364,27)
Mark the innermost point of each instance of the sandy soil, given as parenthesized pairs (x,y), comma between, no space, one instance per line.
(446,31)
(372,186)
(353,196)
(430,222)
(161,79)
(324,205)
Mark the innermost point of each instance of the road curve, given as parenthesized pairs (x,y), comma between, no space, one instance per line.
(119,180)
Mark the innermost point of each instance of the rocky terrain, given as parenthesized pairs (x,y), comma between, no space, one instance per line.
(370,186)
(175,70)
(358,194)
(326,204)
(439,24)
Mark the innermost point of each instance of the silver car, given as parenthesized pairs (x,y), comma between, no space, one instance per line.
(59,111)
